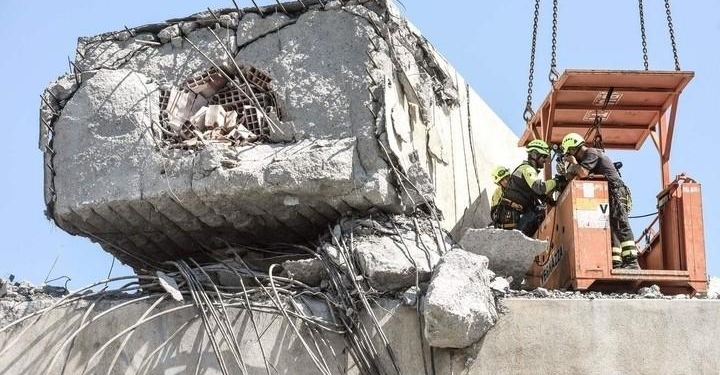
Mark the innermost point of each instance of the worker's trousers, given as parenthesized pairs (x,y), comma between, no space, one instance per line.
(623,240)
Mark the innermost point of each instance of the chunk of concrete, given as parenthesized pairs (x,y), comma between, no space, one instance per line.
(338,99)
(460,307)
(651,292)
(713,290)
(307,271)
(394,262)
(510,252)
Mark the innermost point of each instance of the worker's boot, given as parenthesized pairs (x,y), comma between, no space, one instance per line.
(630,263)
(629,255)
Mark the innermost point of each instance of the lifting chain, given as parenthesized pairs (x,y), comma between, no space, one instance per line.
(528,113)
(554,75)
(672,35)
(642,34)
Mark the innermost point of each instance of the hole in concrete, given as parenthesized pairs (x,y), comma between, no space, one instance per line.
(214,106)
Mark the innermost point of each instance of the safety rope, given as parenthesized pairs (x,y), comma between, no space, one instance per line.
(528,113)
(643,36)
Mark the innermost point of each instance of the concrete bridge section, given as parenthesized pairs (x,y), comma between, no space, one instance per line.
(534,336)
(360,113)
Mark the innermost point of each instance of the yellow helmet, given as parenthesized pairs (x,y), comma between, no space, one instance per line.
(572,140)
(538,145)
(499,172)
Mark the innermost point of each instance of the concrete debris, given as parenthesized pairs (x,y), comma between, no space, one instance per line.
(168,143)
(397,262)
(410,296)
(643,293)
(501,285)
(650,292)
(25,291)
(713,290)
(459,308)
(510,252)
(170,286)
(211,108)
(541,292)
(307,271)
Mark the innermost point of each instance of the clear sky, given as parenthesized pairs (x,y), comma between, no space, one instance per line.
(488,42)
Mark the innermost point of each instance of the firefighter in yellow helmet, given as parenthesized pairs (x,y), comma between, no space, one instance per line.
(526,192)
(584,161)
(500,176)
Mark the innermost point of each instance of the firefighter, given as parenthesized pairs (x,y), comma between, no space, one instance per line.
(524,197)
(500,176)
(584,161)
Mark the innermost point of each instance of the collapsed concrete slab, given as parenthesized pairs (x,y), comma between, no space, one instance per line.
(459,308)
(510,252)
(369,118)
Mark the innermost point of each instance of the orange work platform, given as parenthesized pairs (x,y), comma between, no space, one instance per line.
(623,108)
(641,104)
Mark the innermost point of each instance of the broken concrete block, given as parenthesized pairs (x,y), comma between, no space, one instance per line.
(651,292)
(170,286)
(307,271)
(393,263)
(510,252)
(64,87)
(111,176)
(500,285)
(459,308)
(167,34)
(713,290)
(410,296)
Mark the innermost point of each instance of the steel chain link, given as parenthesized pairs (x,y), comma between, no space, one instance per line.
(672,34)
(642,34)
(528,113)
(553,75)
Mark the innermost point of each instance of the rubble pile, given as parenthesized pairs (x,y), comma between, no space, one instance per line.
(227,105)
(24,290)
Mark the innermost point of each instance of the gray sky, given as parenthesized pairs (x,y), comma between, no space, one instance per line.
(488,42)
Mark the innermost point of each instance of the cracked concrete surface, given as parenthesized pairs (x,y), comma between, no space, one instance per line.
(377,120)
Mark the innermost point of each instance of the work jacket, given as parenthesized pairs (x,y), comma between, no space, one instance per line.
(525,189)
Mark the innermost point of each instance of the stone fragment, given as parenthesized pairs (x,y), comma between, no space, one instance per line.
(652,292)
(542,292)
(713,290)
(170,286)
(64,87)
(307,271)
(410,296)
(510,252)
(392,263)
(167,34)
(500,285)
(459,308)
